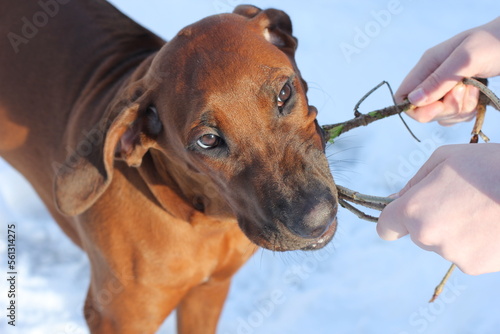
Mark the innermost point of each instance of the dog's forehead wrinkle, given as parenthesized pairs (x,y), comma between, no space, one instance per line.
(207,118)
(227,40)
(218,22)
(248,100)
(243,80)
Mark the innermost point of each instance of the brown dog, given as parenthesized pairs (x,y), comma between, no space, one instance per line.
(163,160)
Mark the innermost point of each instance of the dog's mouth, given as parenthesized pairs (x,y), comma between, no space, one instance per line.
(282,239)
(324,239)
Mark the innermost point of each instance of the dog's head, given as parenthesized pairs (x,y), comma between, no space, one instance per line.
(225,100)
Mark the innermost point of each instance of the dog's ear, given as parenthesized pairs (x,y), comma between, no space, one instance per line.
(126,133)
(274,24)
(139,137)
(247,11)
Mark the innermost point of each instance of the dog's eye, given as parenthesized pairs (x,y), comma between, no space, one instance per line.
(284,95)
(208,141)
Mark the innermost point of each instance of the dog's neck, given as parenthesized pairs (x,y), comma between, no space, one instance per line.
(181,191)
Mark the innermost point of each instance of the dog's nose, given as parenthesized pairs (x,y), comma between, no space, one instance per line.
(315,223)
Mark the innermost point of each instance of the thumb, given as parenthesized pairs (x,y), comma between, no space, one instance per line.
(392,221)
(441,81)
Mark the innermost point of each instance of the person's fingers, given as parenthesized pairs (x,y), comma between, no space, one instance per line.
(441,81)
(426,113)
(439,155)
(455,120)
(390,225)
(471,98)
(430,61)
(452,103)
(458,105)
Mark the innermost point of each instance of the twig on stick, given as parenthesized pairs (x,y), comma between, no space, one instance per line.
(368,201)
(489,97)
(357,212)
(335,130)
(440,287)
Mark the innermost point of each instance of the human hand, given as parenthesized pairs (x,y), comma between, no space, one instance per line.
(452,207)
(434,84)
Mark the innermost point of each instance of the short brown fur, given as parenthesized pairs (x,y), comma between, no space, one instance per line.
(105,120)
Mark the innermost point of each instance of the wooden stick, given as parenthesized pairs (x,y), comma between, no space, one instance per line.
(335,130)
(440,287)
(491,99)
(487,97)
(368,201)
(357,212)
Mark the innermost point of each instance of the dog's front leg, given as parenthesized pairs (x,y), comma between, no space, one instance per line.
(128,306)
(200,309)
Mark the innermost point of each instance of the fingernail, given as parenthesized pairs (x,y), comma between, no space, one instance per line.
(417,97)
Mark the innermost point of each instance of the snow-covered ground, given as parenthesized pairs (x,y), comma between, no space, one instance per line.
(357,284)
